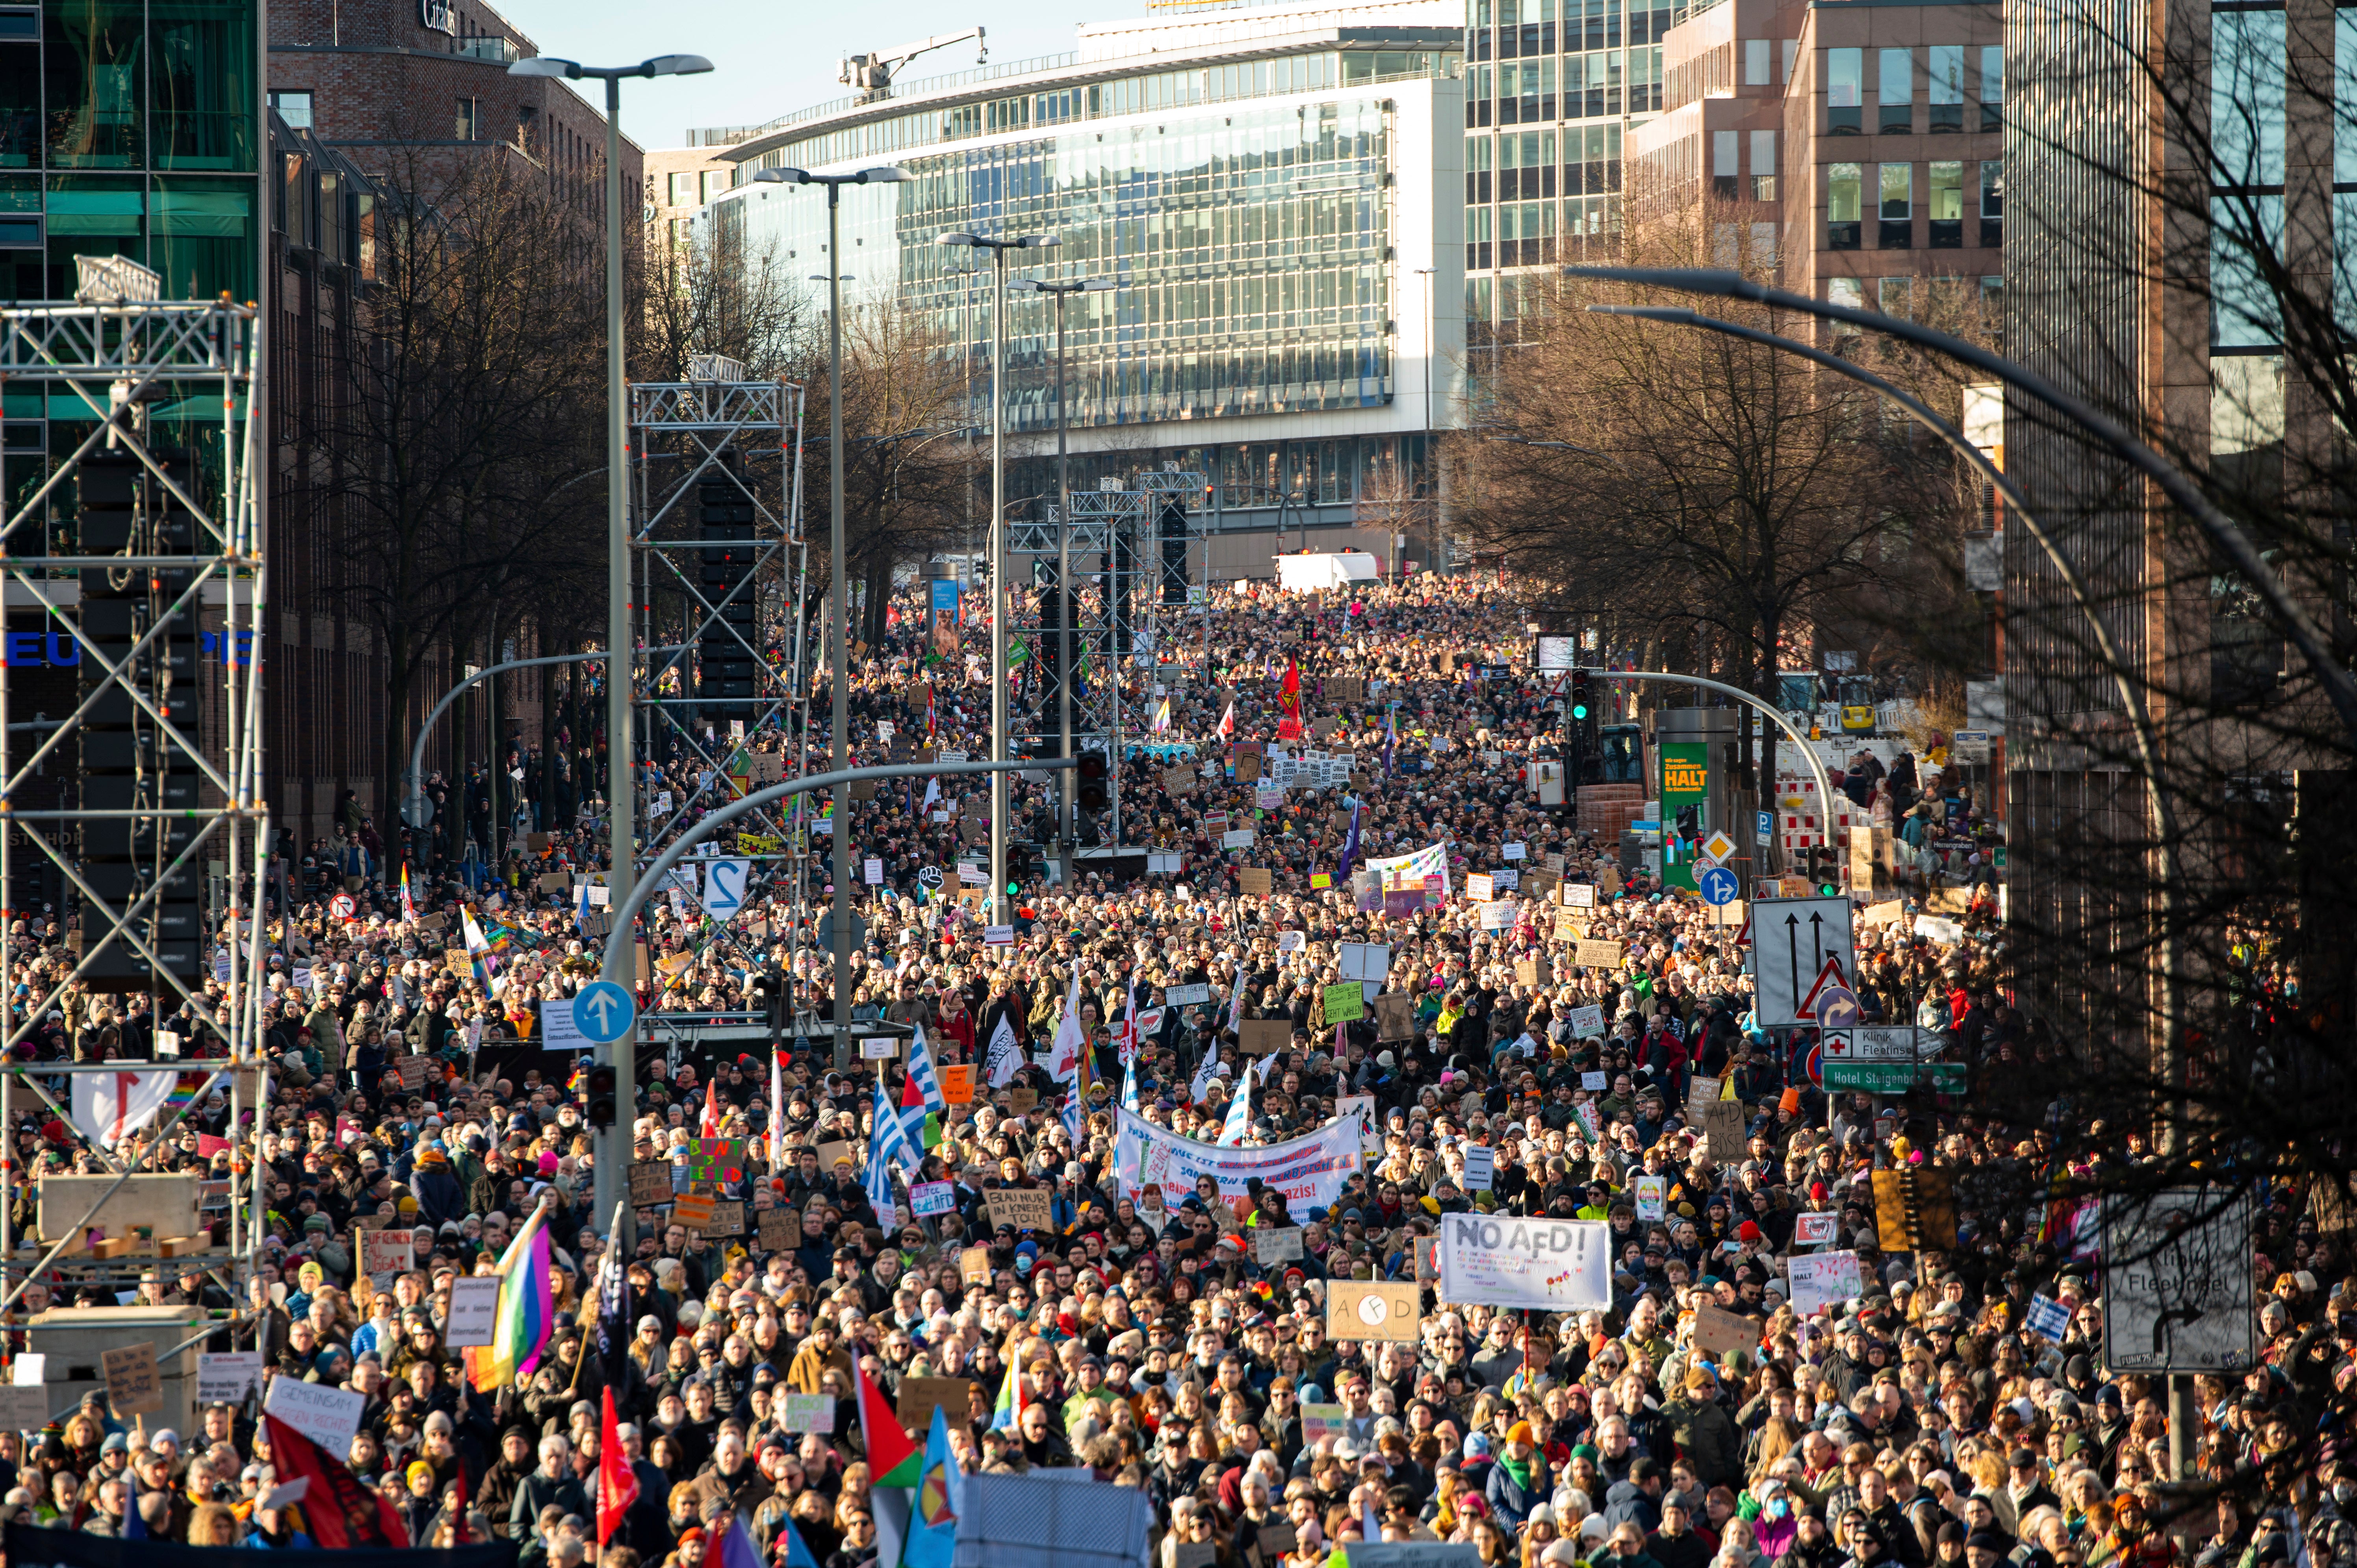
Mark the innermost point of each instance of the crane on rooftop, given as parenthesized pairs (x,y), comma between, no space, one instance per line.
(872,74)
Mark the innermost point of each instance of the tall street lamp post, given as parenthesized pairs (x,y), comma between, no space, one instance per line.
(839,726)
(998,791)
(1064,836)
(613,1144)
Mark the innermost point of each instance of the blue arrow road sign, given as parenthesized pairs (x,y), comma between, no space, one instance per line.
(1718,886)
(603,1011)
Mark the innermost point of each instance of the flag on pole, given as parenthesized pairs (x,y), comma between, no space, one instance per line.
(1349,847)
(777,1098)
(1201,1087)
(1228,722)
(1129,1087)
(797,1553)
(1238,1119)
(1064,1054)
(707,1125)
(618,1483)
(733,1547)
(408,909)
(892,1459)
(110,1106)
(1009,1414)
(526,1315)
(921,1072)
(1005,1058)
(932,1514)
(339,1512)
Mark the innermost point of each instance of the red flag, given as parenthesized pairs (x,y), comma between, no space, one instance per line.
(341,1514)
(709,1126)
(1290,697)
(618,1484)
(459,1514)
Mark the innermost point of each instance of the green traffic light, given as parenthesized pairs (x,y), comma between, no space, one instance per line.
(1013,888)
(1827,890)
(1579,710)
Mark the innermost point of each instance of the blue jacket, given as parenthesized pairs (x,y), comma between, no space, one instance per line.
(1509,1498)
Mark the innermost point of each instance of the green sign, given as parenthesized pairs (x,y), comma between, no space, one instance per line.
(1896,1078)
(1345,1002)
(1686,781)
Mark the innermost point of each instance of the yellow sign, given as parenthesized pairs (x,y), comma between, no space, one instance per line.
(1860,718)
(1684,778)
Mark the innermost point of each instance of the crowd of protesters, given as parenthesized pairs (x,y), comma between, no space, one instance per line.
(1923,1422)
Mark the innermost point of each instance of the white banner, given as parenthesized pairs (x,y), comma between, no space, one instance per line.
(110,1106)
(1823,1281)
(1549,1265)
(225,1377)
(1309,1171)
(327,1416)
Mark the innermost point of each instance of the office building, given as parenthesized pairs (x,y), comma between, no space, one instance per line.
(1275,189)
(1849,147)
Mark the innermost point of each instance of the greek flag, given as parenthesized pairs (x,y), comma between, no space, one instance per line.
(1129,1088)
(1074,1118)
(888,1142)
(921,1068)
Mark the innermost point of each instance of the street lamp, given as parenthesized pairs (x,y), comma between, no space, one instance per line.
(997,249)
(838,598)
(1064,836)
(613,1144)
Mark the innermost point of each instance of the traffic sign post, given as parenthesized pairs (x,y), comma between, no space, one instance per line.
(1718,886)
(1893,1077)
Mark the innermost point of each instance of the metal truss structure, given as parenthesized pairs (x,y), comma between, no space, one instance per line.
(684,433)
(1121,624)
(153,817)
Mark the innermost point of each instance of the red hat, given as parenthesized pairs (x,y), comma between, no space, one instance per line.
(1817,1193)
(1746,1231)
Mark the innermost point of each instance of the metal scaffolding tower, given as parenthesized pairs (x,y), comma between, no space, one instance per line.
(717,493)
(142,551)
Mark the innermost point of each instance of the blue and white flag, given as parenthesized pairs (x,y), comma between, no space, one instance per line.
(921,1068)
(1129,1088)
(887,1143)
(2048,1318)
(1239,1121)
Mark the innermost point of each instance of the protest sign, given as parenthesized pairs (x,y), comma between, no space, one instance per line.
(1823,1281)
(1261,1036)
(650,1182)
(920,1396)
(727,1219)
(1481,1167)
(132,1387)
(973,1265)
(957,1084)
(1814,1229)
(385,1253)
(928,1197)
(1346,1003)
(1275,1244)
(1701,1091)
(780,1229)
(1652,1196)
(1547,1265)
(1597,955)
(1587,1022)
(327,1416)
(1255,881)
(1308,1170)
(1320,1421)
(1723,1121)
(809,1412)
(1361,1311)
(1717,1331)
(25,1408)
(474,1310)
(1395,1018)
(1025,1208)
(226,1377)
(692,1210)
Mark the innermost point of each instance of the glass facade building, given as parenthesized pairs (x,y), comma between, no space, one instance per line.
(1270,210)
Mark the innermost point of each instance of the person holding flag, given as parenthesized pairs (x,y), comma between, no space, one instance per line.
(1239,1117)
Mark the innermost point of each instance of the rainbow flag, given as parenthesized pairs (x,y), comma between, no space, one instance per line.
(408,909)
(1009,1410)
(527,1312)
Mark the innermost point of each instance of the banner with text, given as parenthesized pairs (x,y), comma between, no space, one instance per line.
(1549,1265)
(1309,1171)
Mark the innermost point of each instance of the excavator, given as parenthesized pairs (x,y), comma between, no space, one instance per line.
(872,74)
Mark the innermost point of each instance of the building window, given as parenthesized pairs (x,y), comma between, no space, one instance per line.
(1850,294)
(295,108)
(1946,196)
(1845,196)
(1763,166)
(1945,85)
(715,183)
(1896,90)
(2344,171)
(1476,239)
(1894,296)
(1725,148)
(1755,63)
(1992,203)
(1897,207)
(1992,87)
(1845,92)
(2247,97)
(467,119)
(683,190)
(1477,169)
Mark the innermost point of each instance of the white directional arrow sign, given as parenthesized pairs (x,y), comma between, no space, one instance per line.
(1793,942)
(603,1011)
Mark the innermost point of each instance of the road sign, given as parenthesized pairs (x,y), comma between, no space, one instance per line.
(343,907)
(603,1011)
(1795,941)
(1718,885)
(2177,1281)
(1894,1077)
(1836,1007)
(1870,1042)
(1764,824)
(724,886)
(1718,846)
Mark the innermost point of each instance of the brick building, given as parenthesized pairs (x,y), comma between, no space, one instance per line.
(378,80)
(1854,146)
(679,181)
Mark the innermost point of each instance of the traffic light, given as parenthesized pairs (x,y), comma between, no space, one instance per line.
(725,651)
(1092,794)
(1579,696)
(601,1096)
(769,989)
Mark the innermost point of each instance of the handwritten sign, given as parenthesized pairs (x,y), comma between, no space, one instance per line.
(385,1253)
(1346,1002)
(1025,1208)
(920,1396)
(780,1229)
(691,1210)
(809,1412)
(727,1219)
(650,1182)
(1277,1244)
(1597,955)
(957,1085)
(1717,1331)
(973,1266)
(928,1197)
(132,1387)
(327,1416)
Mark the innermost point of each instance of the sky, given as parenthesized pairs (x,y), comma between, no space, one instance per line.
(772,60)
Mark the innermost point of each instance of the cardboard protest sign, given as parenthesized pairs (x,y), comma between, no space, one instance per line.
(1255,881)
(1355,1311)
(692,1210)
(1264,1036)
(132,1387)
(1025,1208)
(920,1396)
(650,1182)
(727,1219)
(1717,1331)
(1722,1120)
(1395,1017)
(973,1265)
(780,1229)
(1597,955)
